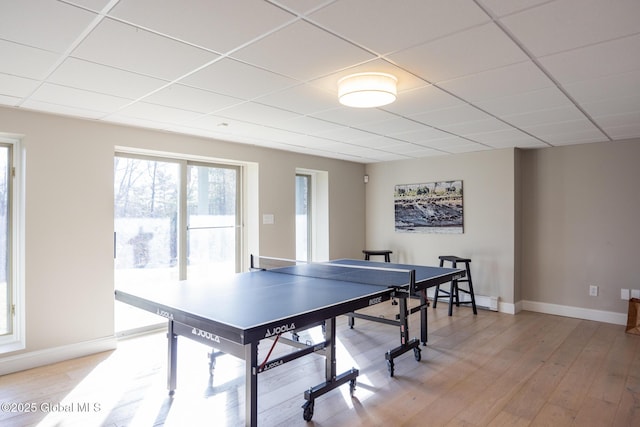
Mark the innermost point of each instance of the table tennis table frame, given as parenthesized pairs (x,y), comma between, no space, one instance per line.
(243,343)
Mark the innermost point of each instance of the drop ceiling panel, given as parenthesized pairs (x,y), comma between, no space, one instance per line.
(548,98)
(219,25)
(51,25)
(502,8)
(103,79)
(77,98)
(257,113)
(18,87)
(427,98)
(451,116)
(191,99)
(558,26)
(234,78)
(354,116)
(304,99)
(472,51)
(367,22)
(25,61)
(591,62)
(129,48)
(610,87)
(499,82)
(302,51)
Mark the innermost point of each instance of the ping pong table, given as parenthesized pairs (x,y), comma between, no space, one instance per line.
(234,314)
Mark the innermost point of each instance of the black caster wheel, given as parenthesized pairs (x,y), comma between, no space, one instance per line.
(417,354)
(307,410)
(390,367)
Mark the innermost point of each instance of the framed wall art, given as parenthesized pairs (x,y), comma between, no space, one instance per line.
(434,207)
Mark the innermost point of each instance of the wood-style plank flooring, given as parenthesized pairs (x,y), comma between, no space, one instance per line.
(492,369)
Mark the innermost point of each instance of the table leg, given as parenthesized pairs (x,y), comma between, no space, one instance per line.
(251,384)
(172,358)
(423,316)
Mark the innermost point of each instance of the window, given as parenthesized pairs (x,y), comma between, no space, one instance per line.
(174,220)
(312,215)
(11,232)
(303,217)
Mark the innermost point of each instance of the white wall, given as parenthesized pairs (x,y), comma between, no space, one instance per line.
(69,219)
(489,216)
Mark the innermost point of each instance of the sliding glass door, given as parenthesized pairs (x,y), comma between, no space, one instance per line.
(174,220)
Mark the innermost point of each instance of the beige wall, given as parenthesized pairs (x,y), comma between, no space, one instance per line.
(541,225)
(489,217)
(580,224)
(69,215)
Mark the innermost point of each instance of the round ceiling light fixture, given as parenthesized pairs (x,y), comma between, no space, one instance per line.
(367,90)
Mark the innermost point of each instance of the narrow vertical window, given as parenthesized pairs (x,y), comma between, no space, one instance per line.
(303,217)
(6,285)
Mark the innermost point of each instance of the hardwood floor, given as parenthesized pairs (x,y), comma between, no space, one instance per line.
(492,369)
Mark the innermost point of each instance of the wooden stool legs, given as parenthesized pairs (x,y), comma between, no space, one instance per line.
(454,290)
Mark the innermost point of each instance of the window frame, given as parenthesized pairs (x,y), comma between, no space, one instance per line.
(15,340)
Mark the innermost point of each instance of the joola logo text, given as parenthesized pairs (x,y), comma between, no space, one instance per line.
(279,330)
(272,365)
(164,314)
(206,335)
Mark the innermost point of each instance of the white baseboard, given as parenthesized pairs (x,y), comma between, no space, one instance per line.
(34,359)
(576,312)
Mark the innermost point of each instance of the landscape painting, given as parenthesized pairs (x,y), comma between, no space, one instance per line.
(434,207)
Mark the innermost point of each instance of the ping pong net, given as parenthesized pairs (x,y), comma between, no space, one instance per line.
(340,270)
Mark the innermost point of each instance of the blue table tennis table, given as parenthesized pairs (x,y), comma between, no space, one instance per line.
(233,314)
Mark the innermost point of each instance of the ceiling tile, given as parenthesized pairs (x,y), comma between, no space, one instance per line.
(568,113)
(423,136)
(129,48)
(502,8)
(477,126)
(595,90)
(188,98)
(498,82)
(16,86)
(605,59)
(257,113)
(219,25)
(427,98)
(354,116)
(558,26)
(613,106)
(302,51)
(64,110)
(366,22)
(51,25)
(537,100)
(472,51)
(451,116)
(26,61)
(77,98)
(574,132)
(152,112)
(234,78)
(304,99)
(101,78)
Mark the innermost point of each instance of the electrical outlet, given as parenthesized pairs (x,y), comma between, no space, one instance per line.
(624,294)
(593,291)
(635,293)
